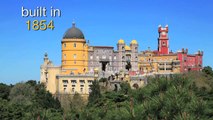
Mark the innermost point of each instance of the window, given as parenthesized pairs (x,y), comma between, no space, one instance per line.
(91,57)
(74,56)
(123,48)
(73,81)
(65,81)
(103,57)
(185,58)
(89,81)
(65,45)
(97,57)
(81,89)
(115,57)
(82,81)
(74,45)
(74,62)
(65,56)
(110,57)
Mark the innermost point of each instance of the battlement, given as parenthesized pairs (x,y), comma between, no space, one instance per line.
(163,29)
(199,52)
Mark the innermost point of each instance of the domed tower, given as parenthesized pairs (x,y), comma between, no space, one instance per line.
(121,54)
(74,52)
(134,55)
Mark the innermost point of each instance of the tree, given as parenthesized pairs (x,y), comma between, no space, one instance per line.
(21,94)
(76,106)
(125,87)
(4,91)
(208,70)
(77,103)
(3,109)
(32,83)
(28,101)
(168,99)
(44,98)
(95,92)
(103,80)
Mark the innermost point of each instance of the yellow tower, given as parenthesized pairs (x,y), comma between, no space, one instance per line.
(74,52)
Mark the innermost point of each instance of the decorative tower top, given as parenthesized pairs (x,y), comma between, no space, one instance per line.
(121,41)
(134,42)
(46,60)
(45,56)
(163,31)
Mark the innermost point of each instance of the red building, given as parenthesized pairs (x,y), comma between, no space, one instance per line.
(188,62)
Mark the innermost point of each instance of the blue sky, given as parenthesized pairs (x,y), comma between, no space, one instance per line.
(103,22)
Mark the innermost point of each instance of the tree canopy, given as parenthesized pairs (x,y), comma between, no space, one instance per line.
(28,101)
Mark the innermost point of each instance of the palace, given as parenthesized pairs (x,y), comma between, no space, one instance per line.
(81,63)
(163,61)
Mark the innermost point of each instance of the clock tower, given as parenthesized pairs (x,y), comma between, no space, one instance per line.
(163,40)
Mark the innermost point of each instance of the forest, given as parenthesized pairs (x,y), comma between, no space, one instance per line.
(187,96)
